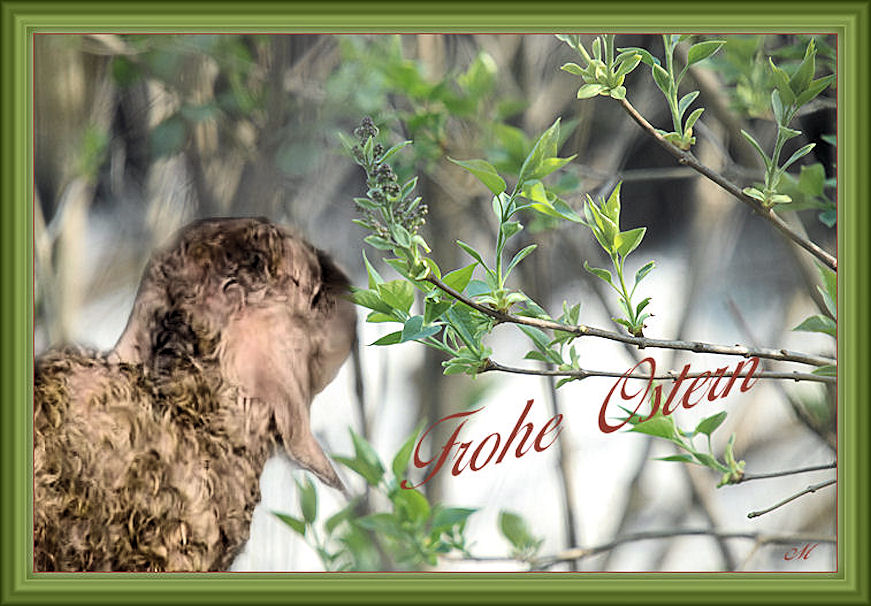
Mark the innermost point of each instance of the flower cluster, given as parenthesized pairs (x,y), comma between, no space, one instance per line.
(387,203)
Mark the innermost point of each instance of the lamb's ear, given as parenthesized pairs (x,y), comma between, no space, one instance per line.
(268,353)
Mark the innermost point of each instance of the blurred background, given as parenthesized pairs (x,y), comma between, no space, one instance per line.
(137,135)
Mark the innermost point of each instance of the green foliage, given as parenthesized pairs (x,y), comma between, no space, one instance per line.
(665,427)
(824,323)
(603,219)
(791,92)
(668,81)
(394,218)
(410,534)
(603,72)
(524,545)
(167,60)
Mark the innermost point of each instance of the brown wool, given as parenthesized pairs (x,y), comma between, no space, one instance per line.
(148,457)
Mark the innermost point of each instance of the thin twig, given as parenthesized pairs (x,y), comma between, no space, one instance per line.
(808,490)
(688,159)
(777,474)
(671,375)
(585,552)
(582,330)
(581,552)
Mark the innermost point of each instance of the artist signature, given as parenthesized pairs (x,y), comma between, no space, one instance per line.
(803,554)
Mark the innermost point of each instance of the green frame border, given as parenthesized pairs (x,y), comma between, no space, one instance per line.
(19,21)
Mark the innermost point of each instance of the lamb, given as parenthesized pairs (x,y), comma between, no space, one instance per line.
(148,457)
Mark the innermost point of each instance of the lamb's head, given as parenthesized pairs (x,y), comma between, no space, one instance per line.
(259,306)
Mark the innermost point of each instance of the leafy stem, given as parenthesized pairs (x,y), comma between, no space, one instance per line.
(790,94)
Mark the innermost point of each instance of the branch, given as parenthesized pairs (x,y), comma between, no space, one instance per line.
(641,342)
(777,474)
(808,490)
(582,374)
(585,552)
(688,159)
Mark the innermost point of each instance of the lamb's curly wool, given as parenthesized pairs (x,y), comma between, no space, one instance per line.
(148,457)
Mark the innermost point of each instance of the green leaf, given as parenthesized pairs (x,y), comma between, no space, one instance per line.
(703,50)
(777,106)
(707,460)
(478,287)
(545,147)
(814,89)
(572,68)
(380,523)
(662,79)
(830,286)
(685,102)
(627,64)
(680,458)
(343,515)
(628,241)
(403,456)
(818,323)
(400,235)
(758,148)
(691,121)
(365,462)
(828,217)
(459,278)
(308,500)
(539,337)
(485,172)
(514,528)
(411,506)
(433,310)
(611,208)
(370,299)
(801,78)
(708,425)
(510,228)
(536,355)
(660,426)
(799,153)
(521,254)
(602,274)
(618,92)
(643,304)
(812,179)
(472,252)
(787,132)
(415,330)
(781,81)
(445,518)
(754,193)
(646,57)
(374,277)
(829,370)
(378,242)
(390,339)
(399,294)
(646,269)
(376,317)
(549,165)
(390,152)
(294,523)
(566,211)
(465,324)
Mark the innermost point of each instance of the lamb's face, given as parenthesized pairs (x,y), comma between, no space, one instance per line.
(246,299)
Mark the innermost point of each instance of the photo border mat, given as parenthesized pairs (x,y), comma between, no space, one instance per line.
(19,21)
